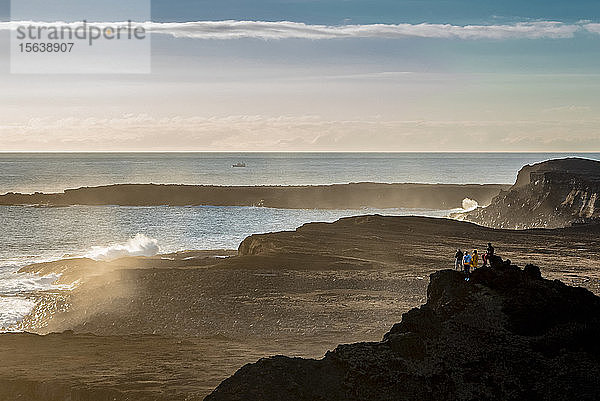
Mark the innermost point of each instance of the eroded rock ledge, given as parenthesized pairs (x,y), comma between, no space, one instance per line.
(354,195)
(507,334)
(552,194)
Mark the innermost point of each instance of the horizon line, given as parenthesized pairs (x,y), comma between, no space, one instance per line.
(298,151)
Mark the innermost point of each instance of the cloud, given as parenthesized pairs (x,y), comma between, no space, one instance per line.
(296,30)
(295,133)
(232,29)
(593,28)
(567,109)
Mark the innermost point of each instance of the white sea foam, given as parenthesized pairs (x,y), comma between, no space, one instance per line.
(15,288)
(15,301)
(12,283)
(13,309)
(140,245)
(469,204)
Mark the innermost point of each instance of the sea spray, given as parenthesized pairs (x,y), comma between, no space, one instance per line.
(469,204)
(460,212)
(13,283)
(140,245)
(78,231)
(12,311)
(16,289)
(16,294)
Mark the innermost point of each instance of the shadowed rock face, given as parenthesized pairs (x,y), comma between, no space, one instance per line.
(342,196)
(507,334)
(556,193)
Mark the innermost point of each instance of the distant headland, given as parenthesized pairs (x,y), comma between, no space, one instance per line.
(338,196)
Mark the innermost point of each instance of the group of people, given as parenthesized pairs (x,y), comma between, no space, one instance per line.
(467,260)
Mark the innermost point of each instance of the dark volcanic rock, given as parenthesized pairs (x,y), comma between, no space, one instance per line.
(555,193)
(507,334)
(337,196)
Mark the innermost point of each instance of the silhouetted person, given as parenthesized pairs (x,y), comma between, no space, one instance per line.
(458,259)
(489,254)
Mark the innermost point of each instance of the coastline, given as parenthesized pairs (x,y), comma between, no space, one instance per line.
(339,196)
(395,245)
(297,292)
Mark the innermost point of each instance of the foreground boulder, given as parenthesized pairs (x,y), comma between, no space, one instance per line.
(507,334)
(552,194)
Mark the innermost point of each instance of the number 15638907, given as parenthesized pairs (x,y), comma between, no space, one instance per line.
(46,47)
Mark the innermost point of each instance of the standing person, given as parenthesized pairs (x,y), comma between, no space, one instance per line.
(489,253)
(475,259)
(467,265)
(458,259)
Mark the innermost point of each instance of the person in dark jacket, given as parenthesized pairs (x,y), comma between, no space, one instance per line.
(458,259)
(489,253)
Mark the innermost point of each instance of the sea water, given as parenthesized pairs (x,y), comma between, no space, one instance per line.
(32,234)
(57,171)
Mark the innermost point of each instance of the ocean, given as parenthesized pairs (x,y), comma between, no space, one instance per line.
(31,234)
(28,172)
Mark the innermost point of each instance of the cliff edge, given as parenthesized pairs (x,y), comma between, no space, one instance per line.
(507,334)
(551,194)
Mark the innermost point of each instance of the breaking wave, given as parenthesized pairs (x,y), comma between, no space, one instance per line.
(13,310)
(469,204)
(140,245)
(12,283)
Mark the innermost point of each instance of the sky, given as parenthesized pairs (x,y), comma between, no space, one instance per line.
(326,75)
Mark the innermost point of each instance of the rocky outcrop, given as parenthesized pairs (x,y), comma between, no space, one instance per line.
(507,334)
(354,195)
(556,193)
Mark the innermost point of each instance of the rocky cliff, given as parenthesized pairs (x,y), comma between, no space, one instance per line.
(507,334)
(340,196)
(555,193)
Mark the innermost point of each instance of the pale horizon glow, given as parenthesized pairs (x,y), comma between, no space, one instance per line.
(292,134)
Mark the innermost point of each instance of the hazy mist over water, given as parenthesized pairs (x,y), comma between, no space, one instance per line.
(32,234)
(58,171)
